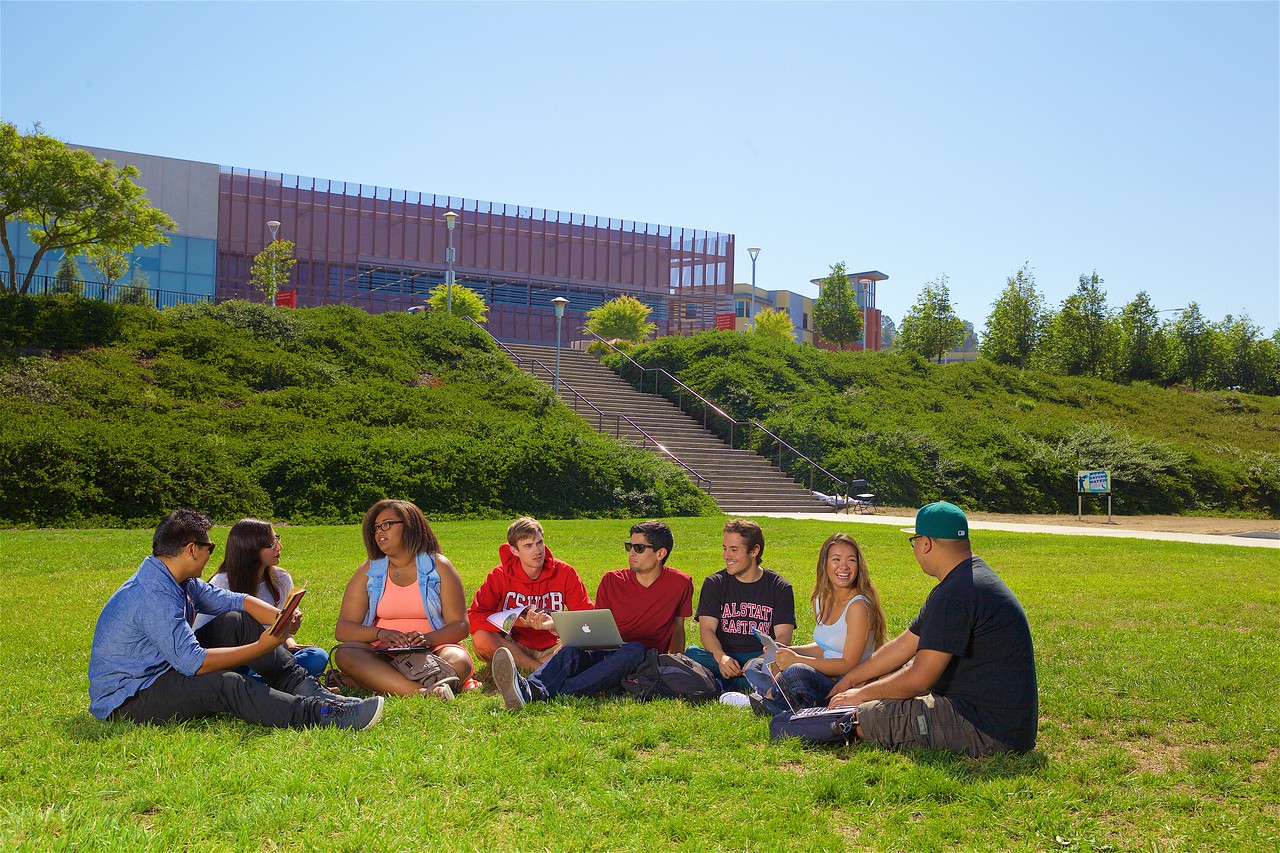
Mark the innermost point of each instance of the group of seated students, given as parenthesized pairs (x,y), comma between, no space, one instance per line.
(169,646)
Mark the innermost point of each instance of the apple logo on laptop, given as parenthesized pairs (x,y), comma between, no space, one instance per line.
(586,629)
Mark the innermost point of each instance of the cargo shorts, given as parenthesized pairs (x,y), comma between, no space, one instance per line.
(928,722)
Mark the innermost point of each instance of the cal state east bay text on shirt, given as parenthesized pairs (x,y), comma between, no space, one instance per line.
(742,617)
(548,601)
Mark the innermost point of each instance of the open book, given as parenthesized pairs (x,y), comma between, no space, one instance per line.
(286,612)
(505,620)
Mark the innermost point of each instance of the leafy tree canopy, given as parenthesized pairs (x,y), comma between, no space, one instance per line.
(272,268)
(624,318)
(70,201)
(1017,321)
(835,311)
(466,302)
(774,325)
(931,328)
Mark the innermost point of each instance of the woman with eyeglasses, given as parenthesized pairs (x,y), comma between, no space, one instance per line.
(250,566)
(407,594)
(850,626)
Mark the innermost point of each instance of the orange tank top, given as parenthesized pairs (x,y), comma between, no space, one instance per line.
(400,609)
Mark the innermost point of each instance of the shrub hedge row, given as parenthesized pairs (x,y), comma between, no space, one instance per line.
(111,415)
(990,437)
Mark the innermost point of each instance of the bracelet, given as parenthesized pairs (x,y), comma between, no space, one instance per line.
(377,635)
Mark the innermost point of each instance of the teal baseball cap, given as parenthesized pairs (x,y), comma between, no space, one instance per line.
(940,520)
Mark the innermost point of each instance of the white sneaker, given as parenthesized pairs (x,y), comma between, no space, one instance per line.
(736,699)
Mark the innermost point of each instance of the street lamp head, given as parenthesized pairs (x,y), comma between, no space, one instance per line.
(450,219)
(274,226)
(754,252)
(559,302)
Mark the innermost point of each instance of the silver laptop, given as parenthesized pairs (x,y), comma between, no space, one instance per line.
(589,630)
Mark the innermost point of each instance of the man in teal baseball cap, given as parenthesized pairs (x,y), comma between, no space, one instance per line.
(962,677)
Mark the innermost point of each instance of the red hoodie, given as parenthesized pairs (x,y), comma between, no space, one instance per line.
(558,587)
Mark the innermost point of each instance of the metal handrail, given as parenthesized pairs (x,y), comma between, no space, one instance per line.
(600,413)
(729,419)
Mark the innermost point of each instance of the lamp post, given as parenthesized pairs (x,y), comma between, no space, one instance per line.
(865,284)
(754,252)
(273,226)
(559,302)
(450,219)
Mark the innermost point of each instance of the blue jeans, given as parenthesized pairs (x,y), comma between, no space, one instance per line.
(804,685)
(704,657)
(573,672)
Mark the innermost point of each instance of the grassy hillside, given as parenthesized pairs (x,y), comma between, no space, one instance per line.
(989,437)
(111,415)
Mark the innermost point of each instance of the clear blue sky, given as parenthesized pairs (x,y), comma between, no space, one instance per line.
(1138,139)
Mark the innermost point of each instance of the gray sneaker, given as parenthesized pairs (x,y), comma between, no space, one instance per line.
(361,714)
(507,678)
(311,687)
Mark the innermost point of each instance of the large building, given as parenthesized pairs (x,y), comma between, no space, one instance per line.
(750,300)
(384,249)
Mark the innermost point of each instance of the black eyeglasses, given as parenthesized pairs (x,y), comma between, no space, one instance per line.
(210,545)
(912,539)
(386,525)
(638,547)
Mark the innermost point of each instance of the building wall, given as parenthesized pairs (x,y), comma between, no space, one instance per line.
(385,250)
(797,306)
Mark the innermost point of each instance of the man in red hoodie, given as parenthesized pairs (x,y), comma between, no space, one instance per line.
(527,576)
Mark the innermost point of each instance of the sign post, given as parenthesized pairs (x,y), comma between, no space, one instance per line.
(1092,483)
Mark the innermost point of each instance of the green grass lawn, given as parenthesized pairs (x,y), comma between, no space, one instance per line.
(1158,669)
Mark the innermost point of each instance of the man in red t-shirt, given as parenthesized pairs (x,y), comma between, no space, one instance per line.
(528,576)
(650,602)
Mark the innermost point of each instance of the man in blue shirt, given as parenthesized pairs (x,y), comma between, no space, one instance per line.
(963,676)
(147,665)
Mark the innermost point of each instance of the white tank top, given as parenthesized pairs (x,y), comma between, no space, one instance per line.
(830,638)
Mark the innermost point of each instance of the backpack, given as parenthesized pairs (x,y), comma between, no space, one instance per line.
(671,676)
(816,725)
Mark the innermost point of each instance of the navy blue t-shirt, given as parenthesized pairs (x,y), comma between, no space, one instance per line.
(991,679)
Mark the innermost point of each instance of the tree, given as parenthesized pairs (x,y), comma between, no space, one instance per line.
(624,318)
(466,302)
(67,278)
(70,201)
(110,264)
(1193,346)
(1143,351)
(1017,321)
(272,268)
(835,311)
(1239,361)
(888,331)
(931,328)
(137,291)
(1081,337)
(774,325)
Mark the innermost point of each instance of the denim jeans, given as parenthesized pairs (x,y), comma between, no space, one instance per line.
(804,686)
(573,672)
(704,657)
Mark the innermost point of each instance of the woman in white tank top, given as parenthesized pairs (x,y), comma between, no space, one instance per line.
(850,626)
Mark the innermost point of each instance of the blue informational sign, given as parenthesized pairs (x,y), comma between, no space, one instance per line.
(1093,482)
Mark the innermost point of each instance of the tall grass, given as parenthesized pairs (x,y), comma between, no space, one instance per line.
(1157,662)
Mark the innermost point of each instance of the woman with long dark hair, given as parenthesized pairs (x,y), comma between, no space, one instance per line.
(406,595)
(251,566)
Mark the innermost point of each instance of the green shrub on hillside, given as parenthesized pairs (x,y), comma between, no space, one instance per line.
(990,437)
(307,415)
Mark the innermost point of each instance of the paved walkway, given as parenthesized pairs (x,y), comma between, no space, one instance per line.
(900,521)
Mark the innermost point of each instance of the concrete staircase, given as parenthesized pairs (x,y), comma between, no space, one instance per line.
(740,481)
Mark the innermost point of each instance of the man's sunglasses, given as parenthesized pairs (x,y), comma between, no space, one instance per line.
(210,545)
(638,547)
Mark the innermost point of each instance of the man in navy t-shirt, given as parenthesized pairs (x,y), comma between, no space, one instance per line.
(963,676)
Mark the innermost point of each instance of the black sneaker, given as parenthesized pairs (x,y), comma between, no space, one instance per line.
(361,714)
(311,687)
(507,679)
(757,705)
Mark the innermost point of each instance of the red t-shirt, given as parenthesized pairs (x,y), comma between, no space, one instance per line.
(646,614)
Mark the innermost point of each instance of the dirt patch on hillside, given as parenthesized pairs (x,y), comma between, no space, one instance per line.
(1162,523)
